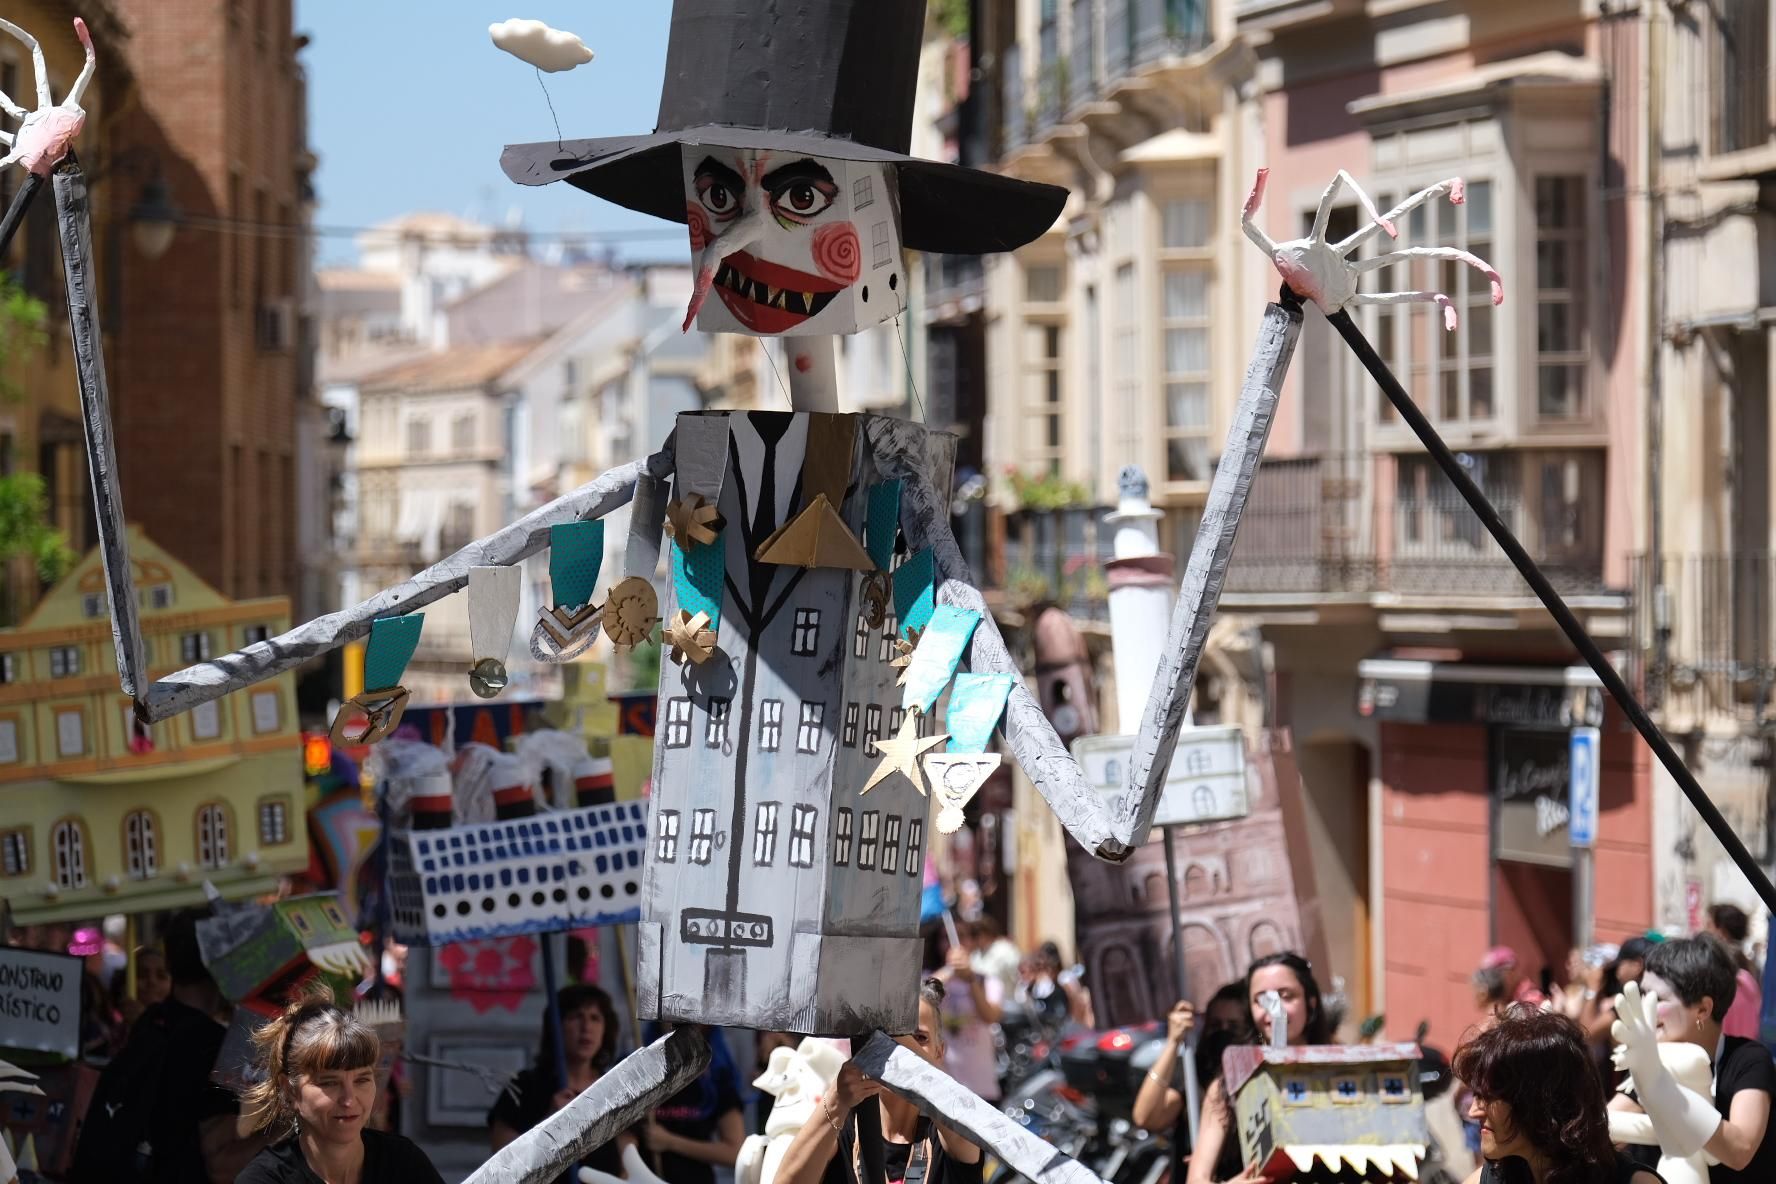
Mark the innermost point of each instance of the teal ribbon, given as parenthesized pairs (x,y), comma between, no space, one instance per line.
(914,596)
(391,646)
(976,703)
(939,653)
(697,577)
(576,552)
(883,523)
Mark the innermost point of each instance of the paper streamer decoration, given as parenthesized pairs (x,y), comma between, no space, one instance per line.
(883,522)
(576,552)
(976,703)
(493,612)
(697,576)
(938,654)
(914,596)
(392,642)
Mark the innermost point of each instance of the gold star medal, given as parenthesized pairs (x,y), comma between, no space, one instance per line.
(901,752)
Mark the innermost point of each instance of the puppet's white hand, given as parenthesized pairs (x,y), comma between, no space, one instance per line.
(1683,1119)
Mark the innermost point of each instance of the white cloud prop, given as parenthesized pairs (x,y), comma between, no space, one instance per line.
(534,42)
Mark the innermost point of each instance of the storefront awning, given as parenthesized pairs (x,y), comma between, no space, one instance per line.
(1403,690)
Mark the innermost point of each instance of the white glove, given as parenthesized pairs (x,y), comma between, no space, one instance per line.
(1683,1119)
(1628,1127)
(635,1166)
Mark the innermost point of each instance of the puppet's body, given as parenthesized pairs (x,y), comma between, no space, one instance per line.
(1690,1066)
(776,896)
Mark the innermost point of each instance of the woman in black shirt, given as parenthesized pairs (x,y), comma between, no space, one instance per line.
(856,1119)
(589,1043)
(1540,1104)
(320,1082)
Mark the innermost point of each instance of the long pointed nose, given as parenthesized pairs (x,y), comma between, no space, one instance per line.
(739,235)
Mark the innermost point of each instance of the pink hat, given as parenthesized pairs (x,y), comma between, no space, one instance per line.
(1498,957)
(86,941)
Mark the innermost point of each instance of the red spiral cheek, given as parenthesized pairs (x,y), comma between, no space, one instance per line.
(837,253)
(698,221)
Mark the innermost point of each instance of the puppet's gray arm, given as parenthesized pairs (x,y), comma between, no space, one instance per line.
(209,680)
(947,1100)
(1113,832)
(622,1098)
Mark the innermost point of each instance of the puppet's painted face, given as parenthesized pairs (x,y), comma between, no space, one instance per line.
(791,245)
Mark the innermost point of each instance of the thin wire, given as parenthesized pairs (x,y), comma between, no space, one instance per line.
(551,103)
(763,348)
(924,416)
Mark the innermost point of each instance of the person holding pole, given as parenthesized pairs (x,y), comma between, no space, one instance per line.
(588,1046)
(1159,1106)
(1216,1156)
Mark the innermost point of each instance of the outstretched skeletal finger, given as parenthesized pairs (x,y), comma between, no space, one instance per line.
(1450,320)
(5,138)
(10,107)
(86,71)
(1457,192)
(37,62)
(1324,213)
(1253,201)
(1454,254)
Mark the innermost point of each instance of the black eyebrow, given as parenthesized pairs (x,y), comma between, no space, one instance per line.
(722,173)
(801,170)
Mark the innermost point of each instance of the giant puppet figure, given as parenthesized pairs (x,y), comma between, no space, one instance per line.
(832,661)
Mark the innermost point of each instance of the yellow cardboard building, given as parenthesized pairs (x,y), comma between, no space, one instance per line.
(99,814)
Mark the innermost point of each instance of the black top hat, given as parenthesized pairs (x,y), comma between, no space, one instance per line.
(828,78)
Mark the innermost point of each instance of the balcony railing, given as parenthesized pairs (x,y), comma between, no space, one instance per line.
(1017,129)
(1739,99)
(953,279)
(1056,556)
(1703,634)
(1315,526)
(1166,28)
(1082,73)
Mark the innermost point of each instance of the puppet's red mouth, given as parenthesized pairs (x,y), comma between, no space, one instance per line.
(769,298)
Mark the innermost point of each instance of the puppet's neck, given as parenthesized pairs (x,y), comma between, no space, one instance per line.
(813,373)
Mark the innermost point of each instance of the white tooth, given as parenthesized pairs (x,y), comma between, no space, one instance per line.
(771,294)
(808,301)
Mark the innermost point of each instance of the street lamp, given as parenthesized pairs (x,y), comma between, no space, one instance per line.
(153,219)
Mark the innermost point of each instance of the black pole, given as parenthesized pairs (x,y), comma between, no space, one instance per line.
(15,213)
(1563,616)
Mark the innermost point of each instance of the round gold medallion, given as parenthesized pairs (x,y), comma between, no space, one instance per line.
(631,611)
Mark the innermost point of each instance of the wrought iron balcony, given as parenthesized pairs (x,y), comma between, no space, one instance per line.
(1704,635)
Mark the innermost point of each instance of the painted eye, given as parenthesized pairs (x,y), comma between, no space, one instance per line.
(716,197)
(802,200)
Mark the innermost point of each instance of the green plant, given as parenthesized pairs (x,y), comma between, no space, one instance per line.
(1025,586)
(1046,491)
(951,16)
(23,331)
(25,529)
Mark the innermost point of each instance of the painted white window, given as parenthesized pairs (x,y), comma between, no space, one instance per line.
(194,647)
(770,724)
(9,752)
(801,836)
(212,835)
(890,632)
(915,861)
(808,735)
(872,730)
(92,605)
(896,718)
(678,722)
(862,193)
(206,721)
(866,840)
(64,661)
(8,668)
(702,835)
(274,821)
(70,733)
(141,845)
(15,852)
(860,640)
(265,711)
(715,729)
(667,849)
(68,841)
(891,844)
(764,835)
(254,634)
(806,636)
(842,837)
(160,596)
(849,737)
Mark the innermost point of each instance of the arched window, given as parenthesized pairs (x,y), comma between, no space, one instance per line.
(67,842)
(212,835)
(141,845)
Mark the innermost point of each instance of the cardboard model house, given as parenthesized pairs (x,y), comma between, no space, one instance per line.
(260,955)
(1328,1112)
(778,896)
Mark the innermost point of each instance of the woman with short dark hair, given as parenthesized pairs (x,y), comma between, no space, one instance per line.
(1540,1105)
(589,1045)
(1694,980)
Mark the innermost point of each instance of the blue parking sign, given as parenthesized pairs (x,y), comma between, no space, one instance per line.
(1582,769)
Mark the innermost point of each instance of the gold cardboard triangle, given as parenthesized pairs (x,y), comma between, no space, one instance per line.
(817,537)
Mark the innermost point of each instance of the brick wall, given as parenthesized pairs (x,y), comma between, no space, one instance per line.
(206,411)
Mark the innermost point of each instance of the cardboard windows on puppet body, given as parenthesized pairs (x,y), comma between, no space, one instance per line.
(789,244)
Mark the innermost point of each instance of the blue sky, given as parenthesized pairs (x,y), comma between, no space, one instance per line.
(409,105)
